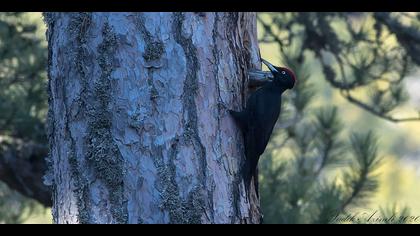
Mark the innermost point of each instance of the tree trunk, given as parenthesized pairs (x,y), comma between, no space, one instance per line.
(138,124)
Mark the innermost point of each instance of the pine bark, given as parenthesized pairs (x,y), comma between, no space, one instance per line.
(138,124)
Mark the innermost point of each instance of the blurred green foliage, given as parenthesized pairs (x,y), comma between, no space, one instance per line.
(15,209)
(23,99)
(321,161)
(22,78)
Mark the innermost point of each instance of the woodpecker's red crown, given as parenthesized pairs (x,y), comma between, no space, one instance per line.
(290,72)
(283,76)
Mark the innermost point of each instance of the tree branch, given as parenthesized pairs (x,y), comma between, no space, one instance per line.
(407,36)
(370,109)
(22,167)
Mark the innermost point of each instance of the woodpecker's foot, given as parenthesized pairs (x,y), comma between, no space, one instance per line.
(222,108)
(240,118)
(234,114)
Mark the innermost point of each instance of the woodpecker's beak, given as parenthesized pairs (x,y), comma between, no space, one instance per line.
(257,78)
(269,65)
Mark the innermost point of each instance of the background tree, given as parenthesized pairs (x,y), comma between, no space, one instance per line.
(23,108)
(367,57)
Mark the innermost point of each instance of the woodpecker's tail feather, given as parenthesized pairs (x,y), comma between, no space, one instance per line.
(255,175)
(249,175)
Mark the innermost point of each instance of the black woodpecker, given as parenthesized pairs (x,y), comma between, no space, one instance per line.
(257,120)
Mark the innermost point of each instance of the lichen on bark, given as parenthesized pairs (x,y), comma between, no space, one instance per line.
(103,153)
(78,29)
(189,210)
(181,211)
(154,47)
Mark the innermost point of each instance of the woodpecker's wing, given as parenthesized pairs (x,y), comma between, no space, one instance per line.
(260,116)
(264,117)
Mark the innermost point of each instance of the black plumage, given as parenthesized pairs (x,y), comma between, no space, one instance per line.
(259,117)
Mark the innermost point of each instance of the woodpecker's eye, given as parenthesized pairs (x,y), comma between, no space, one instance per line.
(283,72)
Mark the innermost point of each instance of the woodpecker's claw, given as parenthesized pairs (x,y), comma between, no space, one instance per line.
(269,65)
